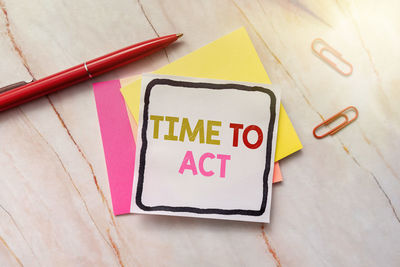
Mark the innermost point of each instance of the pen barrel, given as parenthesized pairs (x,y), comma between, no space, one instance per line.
(128,54)
(43,87)
(81,72)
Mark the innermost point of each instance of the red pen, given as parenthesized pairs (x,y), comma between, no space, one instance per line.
(11,96)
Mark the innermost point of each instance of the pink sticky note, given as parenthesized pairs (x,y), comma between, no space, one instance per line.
(118,143)
(277,173)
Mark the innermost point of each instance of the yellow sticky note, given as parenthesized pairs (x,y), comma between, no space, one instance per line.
(232,57)
(287,141)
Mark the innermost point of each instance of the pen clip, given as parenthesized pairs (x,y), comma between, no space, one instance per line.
(14,85)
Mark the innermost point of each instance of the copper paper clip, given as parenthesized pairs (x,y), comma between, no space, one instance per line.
(332,51)
(335,117)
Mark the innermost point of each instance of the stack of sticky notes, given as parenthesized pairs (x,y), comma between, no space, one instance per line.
(198,137)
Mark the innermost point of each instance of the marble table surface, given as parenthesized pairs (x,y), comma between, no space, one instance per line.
(339,203)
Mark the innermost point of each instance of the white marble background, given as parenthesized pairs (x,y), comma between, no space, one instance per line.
(339,204)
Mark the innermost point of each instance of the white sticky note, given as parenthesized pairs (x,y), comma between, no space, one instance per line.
(205,148)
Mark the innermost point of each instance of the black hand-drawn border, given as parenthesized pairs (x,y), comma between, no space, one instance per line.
(142,162)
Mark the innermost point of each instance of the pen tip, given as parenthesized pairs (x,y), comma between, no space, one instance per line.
(179,35)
